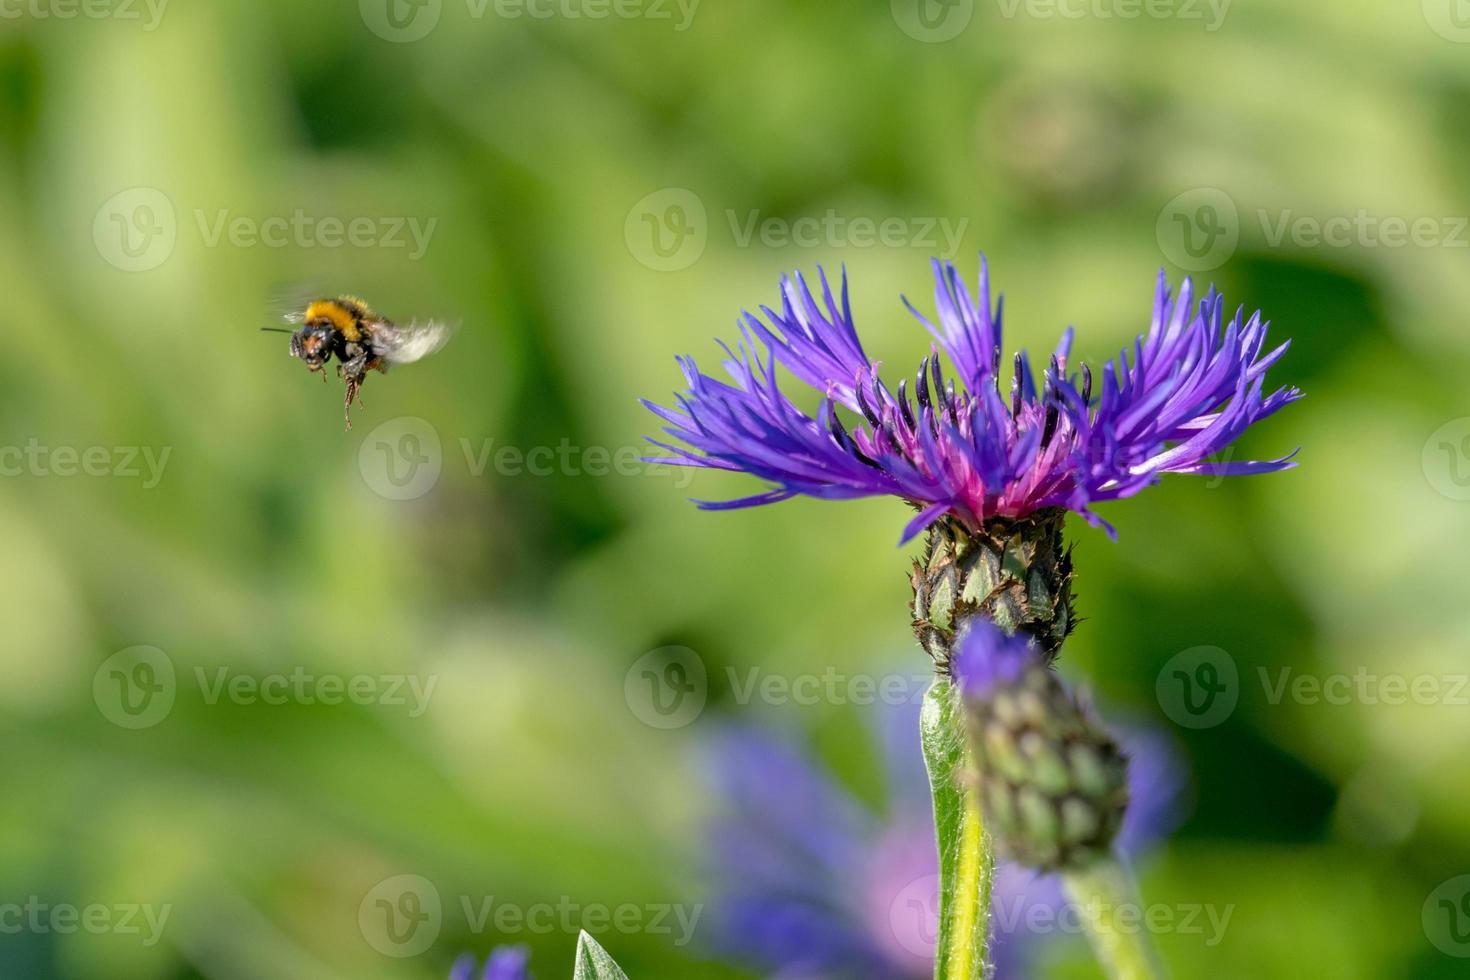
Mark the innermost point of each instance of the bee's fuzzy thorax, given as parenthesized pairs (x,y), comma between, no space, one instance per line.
(344,314)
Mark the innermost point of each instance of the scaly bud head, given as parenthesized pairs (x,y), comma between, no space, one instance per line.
(1052,783)
(1014,573)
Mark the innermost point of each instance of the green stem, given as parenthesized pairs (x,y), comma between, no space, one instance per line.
(970,905)
(966,864)
(1107,899)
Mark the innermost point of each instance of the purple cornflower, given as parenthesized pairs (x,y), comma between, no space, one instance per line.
(505,963)
(812,884)
(963,446)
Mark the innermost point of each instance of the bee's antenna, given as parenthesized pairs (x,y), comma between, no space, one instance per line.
(275,330)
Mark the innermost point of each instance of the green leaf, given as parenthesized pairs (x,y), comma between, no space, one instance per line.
(965,863)
(593,962)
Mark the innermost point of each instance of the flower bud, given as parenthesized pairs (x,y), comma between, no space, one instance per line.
(1015,573)
(1052,782)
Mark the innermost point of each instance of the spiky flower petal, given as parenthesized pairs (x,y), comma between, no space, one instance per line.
(964,447)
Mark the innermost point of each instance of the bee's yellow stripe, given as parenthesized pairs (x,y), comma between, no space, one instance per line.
(339,315)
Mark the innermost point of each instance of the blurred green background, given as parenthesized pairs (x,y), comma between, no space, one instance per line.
(592,195)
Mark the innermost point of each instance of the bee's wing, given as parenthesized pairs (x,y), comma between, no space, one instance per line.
(286,302)
(416,341)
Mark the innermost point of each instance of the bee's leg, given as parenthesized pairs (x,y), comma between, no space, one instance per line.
(352,385)
(352,371)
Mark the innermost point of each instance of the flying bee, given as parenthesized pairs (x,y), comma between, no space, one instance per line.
(361,341)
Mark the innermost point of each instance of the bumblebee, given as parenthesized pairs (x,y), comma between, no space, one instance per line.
(346,328)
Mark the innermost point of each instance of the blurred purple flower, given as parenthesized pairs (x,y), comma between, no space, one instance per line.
(986,658)
(505,963)
(810,884)
(965,447)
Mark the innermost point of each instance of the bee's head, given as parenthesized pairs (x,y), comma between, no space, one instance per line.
(313,344)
